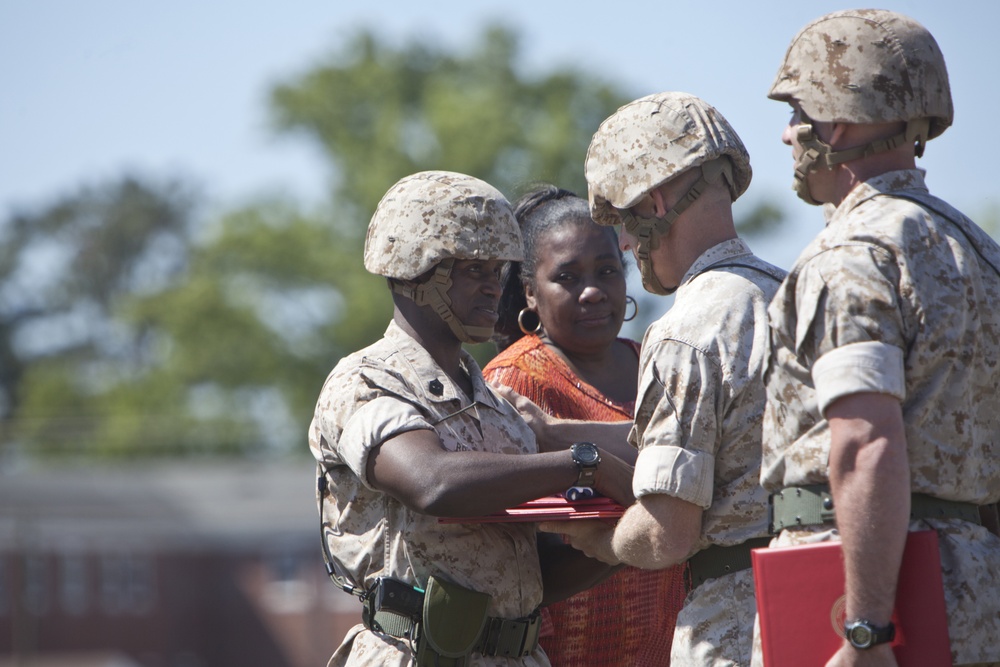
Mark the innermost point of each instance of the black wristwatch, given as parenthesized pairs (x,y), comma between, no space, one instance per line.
(586,457)
(863,634)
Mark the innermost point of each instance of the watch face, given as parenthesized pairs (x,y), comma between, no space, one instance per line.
(860,636)
(863,634)
(585,453)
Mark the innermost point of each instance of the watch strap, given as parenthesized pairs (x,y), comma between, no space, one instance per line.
(586,464)
(586,476)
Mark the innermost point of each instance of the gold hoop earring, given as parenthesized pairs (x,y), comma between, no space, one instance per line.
(635,305)
(520,322)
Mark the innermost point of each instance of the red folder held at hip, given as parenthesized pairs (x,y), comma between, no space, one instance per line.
(800,604)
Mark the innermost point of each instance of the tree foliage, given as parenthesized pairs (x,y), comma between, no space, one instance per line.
(66,271)
(128,330)
(132,326)
(380,113)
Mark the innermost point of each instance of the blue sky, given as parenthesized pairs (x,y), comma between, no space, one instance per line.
(92,88)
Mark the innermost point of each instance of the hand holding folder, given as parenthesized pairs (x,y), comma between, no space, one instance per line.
(800,604)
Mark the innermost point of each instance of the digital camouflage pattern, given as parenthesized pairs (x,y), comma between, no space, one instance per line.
(891,275)
(434,215)
(651,140)
(715,628)
(698,424)
(866,66)
(389,388)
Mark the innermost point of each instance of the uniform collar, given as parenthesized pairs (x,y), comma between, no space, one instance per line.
(884,184)
(727,250)
(434,384)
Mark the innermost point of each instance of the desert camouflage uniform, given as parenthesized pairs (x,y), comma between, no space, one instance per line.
(893,298)
(698,430)
(389,388)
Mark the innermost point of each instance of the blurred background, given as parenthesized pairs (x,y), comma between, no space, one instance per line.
(184,191)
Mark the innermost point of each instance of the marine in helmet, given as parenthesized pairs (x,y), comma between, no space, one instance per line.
(406,431)
(882,380)
(667,168)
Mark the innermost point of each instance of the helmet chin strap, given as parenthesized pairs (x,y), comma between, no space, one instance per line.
(648,231)
(434,293)
(817,153)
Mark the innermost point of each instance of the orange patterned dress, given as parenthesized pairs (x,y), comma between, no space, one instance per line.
(628,619)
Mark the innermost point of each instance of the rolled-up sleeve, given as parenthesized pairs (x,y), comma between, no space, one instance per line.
(678,418)
(857,368)
(674,471)
(372,424)
(851,323)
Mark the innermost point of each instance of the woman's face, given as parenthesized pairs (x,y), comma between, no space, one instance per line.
(579,290)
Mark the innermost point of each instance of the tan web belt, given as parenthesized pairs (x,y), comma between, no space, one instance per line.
(717,561)
(812,505)
(500,636)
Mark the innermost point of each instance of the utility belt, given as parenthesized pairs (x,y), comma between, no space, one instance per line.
(717,561)
(446,623)
(812,505)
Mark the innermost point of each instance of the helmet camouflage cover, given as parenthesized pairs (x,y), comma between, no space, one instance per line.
(866,66)
(651,140)
(431,216)
(427,221)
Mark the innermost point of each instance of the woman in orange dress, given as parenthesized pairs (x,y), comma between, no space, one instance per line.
(560,316)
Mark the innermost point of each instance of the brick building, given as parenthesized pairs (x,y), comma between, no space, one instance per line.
(194,564)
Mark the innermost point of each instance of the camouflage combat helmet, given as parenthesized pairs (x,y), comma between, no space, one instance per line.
(863,66)
(427,221)
(645,144)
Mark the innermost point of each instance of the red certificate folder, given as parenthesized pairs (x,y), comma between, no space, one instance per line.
(552,508)
(800,604)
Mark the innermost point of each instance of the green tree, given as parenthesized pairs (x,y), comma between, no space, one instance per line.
(65,272)
(156,336)
(380,113)
(219,355)
(129,327)
(243,341)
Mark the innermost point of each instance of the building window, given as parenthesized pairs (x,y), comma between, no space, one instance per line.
(285,591)
(73,588)
(36,585)
(142,585)
(127,584)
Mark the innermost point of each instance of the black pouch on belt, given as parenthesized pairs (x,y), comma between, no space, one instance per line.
(453,620)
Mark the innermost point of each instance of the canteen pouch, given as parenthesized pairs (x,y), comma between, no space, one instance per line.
(453,621)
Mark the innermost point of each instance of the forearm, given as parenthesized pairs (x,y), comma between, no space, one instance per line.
(657,532)
(414,469)
(870,482)
(477,483)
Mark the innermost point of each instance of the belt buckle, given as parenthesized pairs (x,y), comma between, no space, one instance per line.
(491,635)
(531,633)
(511,639)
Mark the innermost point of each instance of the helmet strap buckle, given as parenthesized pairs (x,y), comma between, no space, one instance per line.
(433,292)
